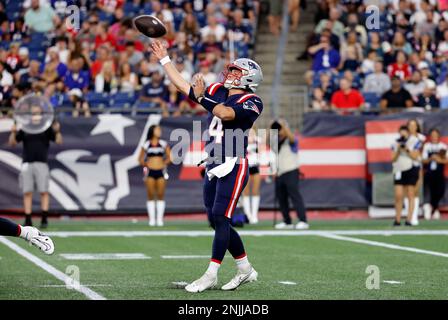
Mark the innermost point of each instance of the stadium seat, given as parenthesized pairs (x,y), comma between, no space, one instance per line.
(444,103)
(143,105)
(123,100)
(97,100)
(372,100)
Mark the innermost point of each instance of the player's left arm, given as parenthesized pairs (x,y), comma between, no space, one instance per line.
(168,155)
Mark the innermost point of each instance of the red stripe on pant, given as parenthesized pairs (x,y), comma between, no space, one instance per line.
(241,175)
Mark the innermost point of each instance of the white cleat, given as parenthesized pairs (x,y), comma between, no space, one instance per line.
(254,220)
(302,225)
(436,215)
(39,240)
(283,225)
(160,223)
(427,211)
(152,223)
(207,281)
(241,278)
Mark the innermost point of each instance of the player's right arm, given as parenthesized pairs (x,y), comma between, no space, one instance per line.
(175,77)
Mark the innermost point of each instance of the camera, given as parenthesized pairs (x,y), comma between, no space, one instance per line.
(402,141)
(276,125)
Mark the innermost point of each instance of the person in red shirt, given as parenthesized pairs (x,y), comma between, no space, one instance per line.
(109,6)
(104,38)
(346,97)
(400,68)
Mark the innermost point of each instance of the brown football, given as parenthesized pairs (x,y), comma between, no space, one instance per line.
(149,26)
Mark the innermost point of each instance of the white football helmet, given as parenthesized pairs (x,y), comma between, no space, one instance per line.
(249,80)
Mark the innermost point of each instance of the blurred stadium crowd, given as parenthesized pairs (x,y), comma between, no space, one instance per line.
(403,63)
(105,63)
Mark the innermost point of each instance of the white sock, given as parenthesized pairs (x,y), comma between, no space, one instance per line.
(416,208)
(151,208)
(243,264)
(406,206)
(160,211)
(246,206)
(255,206)
(213,268)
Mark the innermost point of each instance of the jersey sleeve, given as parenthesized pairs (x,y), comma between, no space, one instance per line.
(249,109)
(217,92)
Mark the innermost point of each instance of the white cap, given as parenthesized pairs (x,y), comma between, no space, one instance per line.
(23,51)
(422,65)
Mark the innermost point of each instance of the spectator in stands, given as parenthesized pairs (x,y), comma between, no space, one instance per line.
(318,101)
(209,76)
(368,64)
(346,97)
(144,73)
(442,93)
(102,55)
(41,18)
(156,92)
(425,46)
(108,6)
(219,10)
(80,105)
(275,16)
(190,26)
(439,67)
(128,80)
(211,49)
(324,58)
(443,45)
(351,53)
(24,58)
(61,47)
(416,85)
(133,56)
(294,13)
(396,97)
(377,82)
(353,26)
(247,7)
(326,85)
(13,59)
(6,79)
(427,99)
(400,68)
(50,75)
(241,33)
(32,76)
(337,26)
(374,44)
(103,37)
(213,27)
(87,33)
(106,81)
(75,76)
(423,66)
(399,44)
(53,57)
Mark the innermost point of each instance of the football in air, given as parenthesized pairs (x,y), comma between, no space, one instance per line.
(150,26)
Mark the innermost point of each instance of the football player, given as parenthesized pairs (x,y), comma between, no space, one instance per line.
(232,109)
(29,234)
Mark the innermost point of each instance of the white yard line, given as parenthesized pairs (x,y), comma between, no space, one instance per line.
(384,245)
(104,256)
(52,270)
(185,257)
(288,283)
(193,233)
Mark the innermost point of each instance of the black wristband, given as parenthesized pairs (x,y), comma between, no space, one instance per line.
(192,96)
(208,103)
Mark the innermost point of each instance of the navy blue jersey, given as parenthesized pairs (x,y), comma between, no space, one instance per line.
(230,138)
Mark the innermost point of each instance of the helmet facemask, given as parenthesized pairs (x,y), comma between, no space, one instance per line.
(231,80)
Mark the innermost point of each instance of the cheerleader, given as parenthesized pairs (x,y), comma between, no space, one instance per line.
(415,130)
(251,194)
(434,159)
(154,157)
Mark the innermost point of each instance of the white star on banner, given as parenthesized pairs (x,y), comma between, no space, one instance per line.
(113,124)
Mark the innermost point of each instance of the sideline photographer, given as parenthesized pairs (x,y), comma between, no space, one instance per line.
(406,150)
(287,178)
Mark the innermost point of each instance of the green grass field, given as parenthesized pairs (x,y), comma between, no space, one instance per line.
(323,263)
